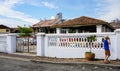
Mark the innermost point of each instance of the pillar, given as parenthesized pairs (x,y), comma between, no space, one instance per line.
(40,44)
(118,43)
(99,28)
(58,30)
(11,41)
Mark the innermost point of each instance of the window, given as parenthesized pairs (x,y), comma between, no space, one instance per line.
(63,31)
(72,31)
(7,30)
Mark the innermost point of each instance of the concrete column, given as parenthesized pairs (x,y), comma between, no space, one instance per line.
(40,44)
(77,30)
(11,41)
(67,31)
(58,30)
(118,42)
(99,28)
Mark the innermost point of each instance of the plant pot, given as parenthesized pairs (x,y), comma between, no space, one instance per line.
(89,56)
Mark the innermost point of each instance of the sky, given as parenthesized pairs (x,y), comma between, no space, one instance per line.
(15,13)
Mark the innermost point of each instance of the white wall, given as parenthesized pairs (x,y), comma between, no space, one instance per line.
(117,43)
(99,28)
(71,52)
(57,30)
(11,41)
(55,49)
(78,52)
(3,42)
(8,43)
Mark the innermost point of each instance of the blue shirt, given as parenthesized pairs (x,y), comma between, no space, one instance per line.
(106,45)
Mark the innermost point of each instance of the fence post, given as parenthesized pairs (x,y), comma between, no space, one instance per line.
(11,41)
(117,31)
(40,44)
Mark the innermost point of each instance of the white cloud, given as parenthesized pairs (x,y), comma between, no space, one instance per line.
(50,5)
(6,10)
(109,9)
(41,3)
(52,17)
(13,23)
(10,3)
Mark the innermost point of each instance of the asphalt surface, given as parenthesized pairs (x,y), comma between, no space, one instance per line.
(7,64)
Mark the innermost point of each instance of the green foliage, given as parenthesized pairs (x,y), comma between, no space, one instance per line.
(91,38)
(89,53)
(72,31)
(24,31)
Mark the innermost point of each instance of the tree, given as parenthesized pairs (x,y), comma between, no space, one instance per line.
(24,31)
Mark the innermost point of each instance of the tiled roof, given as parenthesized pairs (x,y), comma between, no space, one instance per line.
(116,25)
(81,21)
(46,23)
(4,27)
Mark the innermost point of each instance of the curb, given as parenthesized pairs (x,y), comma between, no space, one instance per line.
(88,63)
(15,58)
(51,62)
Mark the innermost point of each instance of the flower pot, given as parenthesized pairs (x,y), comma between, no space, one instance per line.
(89,56)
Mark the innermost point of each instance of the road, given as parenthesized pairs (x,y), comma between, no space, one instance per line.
(20,65)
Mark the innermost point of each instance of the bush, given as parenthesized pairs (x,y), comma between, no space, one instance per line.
(24,31)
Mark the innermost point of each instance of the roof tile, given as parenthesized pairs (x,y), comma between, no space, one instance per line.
(81,21)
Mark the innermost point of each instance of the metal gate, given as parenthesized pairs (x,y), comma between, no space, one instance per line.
(26,44)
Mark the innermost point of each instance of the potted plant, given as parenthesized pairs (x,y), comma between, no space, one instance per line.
(89,55)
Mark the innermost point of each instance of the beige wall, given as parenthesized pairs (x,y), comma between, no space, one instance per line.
(4,30)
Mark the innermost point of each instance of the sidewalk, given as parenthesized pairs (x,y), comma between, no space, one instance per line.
(38,59)
(16,56)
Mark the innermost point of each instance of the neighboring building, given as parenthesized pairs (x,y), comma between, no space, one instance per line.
(116,25)
(4,29)
(45,25)
(83,24)
(15,30)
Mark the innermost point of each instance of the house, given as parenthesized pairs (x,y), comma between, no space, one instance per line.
(15,30)
(83,24)
(4,29)
(115,24)
(45,25)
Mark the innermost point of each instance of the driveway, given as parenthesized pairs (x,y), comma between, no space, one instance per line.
(21,65)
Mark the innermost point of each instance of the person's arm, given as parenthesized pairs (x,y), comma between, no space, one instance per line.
(109,41)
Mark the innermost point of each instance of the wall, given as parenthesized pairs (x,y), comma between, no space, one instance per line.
(60,45)
(66,45)
(99,28)
(117,43)
(3,42)
(2,30)
(8,43)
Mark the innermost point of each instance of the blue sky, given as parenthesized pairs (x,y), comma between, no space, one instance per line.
(29,12)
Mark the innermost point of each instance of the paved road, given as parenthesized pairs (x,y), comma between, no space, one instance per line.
(18,65)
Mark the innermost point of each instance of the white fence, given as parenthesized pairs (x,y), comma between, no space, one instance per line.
(66,45)
(7,43)
(75,45)
(3,43)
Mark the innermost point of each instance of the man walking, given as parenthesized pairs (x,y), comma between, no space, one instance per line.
(106,48)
